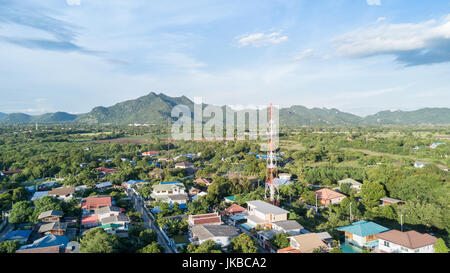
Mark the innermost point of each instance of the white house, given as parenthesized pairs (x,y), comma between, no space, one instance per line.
(170,191)
(395,241)
(288,226)
(353,183)
(108,211)
(220,234)
(263,214)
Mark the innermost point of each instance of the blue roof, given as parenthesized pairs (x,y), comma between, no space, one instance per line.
(104,184)
(21,233)
(172,182)
(363,228)
(238,217)
(49,240)
(132,182)
(230,198)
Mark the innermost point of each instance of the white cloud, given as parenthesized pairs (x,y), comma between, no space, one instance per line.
(73,2)
(305,54)
(380,19)
(373,2)
(413,43)
(261,39)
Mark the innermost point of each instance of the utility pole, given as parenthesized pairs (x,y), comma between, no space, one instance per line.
(316,203)
(351,218)
(401,222)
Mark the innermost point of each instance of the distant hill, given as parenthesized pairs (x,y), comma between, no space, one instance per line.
(2,114)
(421,116)
(20,118)
(156,109)
(300,115)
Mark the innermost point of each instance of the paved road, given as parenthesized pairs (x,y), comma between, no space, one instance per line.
(138,205)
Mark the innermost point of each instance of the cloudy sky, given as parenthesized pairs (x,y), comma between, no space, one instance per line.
(359,56)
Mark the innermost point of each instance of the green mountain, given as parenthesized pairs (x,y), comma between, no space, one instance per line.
(299,115)
(421,116)
(2,114)
(152,109)
(156,109)
(20,118)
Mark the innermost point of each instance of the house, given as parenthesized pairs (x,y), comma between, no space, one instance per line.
(106,170)
(353,183)
(46,186)
(284,176)
(329,197)
(387,201)
(205,219)
(184,165)
(38,195)
(420,164)
(107,211)
(62,193)
(195,197)
(150,153)
(234,209)
(104,185)
(395,241)
(19,235)
(325,237)
(436,144)
(81,188)
(304,243)
(229,199)
(288,226)
(194,191)
(220,234)
(131,183)
(95,202)
(53,228)
(264,214)
(90,221)
(116,224)
(48,244)
(178,198)
(442,167)
(162,191)
(50,216)
(362,233)
(203,181)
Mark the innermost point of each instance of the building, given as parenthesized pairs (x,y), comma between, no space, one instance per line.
(50,216)
(395,241)
(104,185)
(48,244)
(19,235)
(136,183)
(53,228)
(181,199)
(353,183)
(329,197)
(291,227)
(106,170)
(362,233)
(162,191)
(90,221)
(420,164)
(184,165)
(96,202)
(203,181)
(284,176)
(150,153)
(264,214)
(220,234)
(436,144)
(116,224)
(305,243)
(205,219)
(107,211)
(387,201)
(234,209)
(38,195)
(62,193)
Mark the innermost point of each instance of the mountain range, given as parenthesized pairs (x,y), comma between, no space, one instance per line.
(156,108)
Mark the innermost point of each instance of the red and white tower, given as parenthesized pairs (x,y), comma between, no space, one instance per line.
(271,169)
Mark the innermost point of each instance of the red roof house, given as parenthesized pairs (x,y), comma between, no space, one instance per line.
(327,197)
(234,209)
(96,202)
(106,170)
(150,153)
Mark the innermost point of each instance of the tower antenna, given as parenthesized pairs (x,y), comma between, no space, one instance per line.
(271,168)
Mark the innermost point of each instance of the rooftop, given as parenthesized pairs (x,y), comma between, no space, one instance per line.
(49,213)
(266,208)
(308,242)
(62,191)
(205,232)
(288,225)
(363,228)
(328,194)
(410,239)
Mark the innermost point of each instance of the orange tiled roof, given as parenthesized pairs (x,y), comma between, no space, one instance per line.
(327,194)
(235,208)
(289,250)
(410,239)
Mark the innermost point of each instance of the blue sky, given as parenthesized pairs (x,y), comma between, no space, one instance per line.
(359,56)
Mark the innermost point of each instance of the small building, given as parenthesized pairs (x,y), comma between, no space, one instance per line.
(395,241)
(53,228)
(203,181)
(136,183)
(205,219)
(95,202)
(116,224)
(90,221)
(104,185)
(387,201)
(329,197)
(107,211)
(106,170)
(234,209)
(178,198)
(50,216)
(353,183)
(19,235)
(436,144)
(305,243)
(162,191)
(291,227)
(48,244)
(62,193)
(38,195)
(184,165)
(264,214)
(362,233)
(220,234)
(285,176)
(418,164)
(150,153)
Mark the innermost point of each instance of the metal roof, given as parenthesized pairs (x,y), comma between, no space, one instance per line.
(266,207)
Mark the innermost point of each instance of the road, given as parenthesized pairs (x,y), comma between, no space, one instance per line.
(138,205)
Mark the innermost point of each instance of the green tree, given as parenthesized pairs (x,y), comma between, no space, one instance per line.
(440,246)
(148,236)
(336,250)
(21,212)
(280,240)
(154,247)
(371,192)
(98,241)
(208,246)
(9,246)
(244,244)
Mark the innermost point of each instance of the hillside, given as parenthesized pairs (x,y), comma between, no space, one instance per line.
(421,116)
(299,115)
(20,118)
